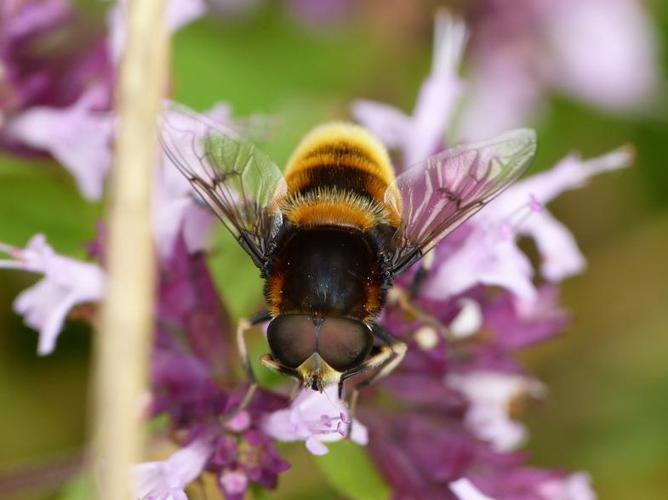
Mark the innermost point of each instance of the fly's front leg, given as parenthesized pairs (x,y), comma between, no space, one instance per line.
(385,361)
(244,326)
(404,299)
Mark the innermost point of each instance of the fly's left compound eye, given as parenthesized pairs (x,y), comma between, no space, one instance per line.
(291,339)
(344,343)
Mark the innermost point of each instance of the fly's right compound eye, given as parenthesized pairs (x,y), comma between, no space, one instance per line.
(344,343)
(292,339)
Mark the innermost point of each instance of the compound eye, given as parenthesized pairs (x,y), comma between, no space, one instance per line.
(344,343)
(291,339)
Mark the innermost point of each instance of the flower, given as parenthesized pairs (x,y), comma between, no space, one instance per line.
(491,395)
(79,137)
(489,253)
(243,458)
(57,77)
(192,320)
(603,52)
(515,329)
(465,490)
(25,18)
(573,487)
(505,481)
(25,76)
(168,479)
(64,109)
(315,418)
(233,482)
(192,381)
(56,101)
(66,283)
(443,424)
(419,453)
(422,134)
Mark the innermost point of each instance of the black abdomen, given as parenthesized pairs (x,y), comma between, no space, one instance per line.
(328,271)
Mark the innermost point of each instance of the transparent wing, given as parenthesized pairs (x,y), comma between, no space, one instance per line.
(235,179)
(436,196)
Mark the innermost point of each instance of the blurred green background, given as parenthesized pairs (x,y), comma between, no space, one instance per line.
(607,411)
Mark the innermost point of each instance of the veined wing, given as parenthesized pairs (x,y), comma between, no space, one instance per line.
(234,178)
(436,196)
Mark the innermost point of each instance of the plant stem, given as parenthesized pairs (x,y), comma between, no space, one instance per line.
(123,342)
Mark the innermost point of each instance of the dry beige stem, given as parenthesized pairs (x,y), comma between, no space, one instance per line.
(122,345)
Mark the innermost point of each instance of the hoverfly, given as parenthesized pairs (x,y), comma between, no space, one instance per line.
(331,233)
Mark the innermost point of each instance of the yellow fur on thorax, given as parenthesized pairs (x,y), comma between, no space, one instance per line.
(346,134)
(330,206)
(347,146)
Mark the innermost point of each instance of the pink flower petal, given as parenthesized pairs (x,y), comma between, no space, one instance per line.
(464,489)
(315,418)
(78,137)
(66,283)
(169,478)
(490,395)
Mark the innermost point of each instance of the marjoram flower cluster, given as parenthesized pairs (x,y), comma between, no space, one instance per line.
(449,431)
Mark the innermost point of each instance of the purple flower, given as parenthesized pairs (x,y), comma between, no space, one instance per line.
(315,418)
(25,75)
(20,18)
(489,254)
(422,134)
(419,453)
(233,482)
(573,487)
(490,395)
(603,52)
(57,77)
(168,479)
(56,101)
(245,457)
(66,283)
(506,481)
(79,137)
(441,425)
(64,107)
(465,490)
(192,378)
(515,329)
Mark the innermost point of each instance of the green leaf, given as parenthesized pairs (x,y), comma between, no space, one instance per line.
(41,197)
(348,469)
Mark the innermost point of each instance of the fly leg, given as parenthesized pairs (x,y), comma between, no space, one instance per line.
(243,327)
(404,299)
(385,361)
